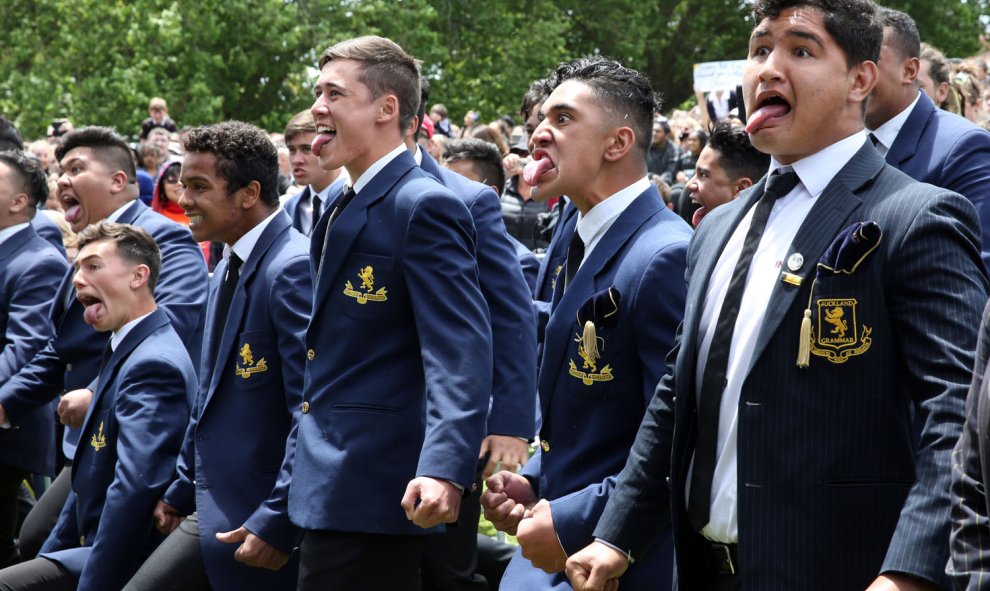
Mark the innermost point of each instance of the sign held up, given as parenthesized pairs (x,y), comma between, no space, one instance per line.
(724,75)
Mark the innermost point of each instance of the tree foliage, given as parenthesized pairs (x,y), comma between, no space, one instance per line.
(100,61)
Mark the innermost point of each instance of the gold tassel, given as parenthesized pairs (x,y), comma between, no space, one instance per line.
(804,345)
(589,340)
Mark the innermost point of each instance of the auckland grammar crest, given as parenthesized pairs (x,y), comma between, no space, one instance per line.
(837,336)
(248,367)
(366,292)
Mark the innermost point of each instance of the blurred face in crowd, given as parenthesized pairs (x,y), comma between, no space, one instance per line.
(306,169)
(691,143)
(938,93)
(711,186)
(213,214)
(659,135)
(171,184)
(159,137)
(86,188)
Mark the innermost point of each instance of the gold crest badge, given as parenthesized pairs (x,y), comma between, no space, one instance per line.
(248,367)
(366,293)
(588,351)
(556,273)
(838,336)
(99,441)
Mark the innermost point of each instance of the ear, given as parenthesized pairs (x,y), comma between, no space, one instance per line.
(742,184)
(118,182)
(621,141)
(139,276)
(864,79)
(413,127)
(250,194)
(910,70)
(941,93)
(389,108)
(19,203)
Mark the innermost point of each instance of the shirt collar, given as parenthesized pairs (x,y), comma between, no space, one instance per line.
(600,217)
(113,217)
(245,244)
(818,170)
(8,232)
(120,333)
(887,132)
(377,167)
(418,155)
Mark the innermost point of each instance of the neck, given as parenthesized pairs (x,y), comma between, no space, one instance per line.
(387,143)
(249,220)
(325,181)
(142,306)
(603,188)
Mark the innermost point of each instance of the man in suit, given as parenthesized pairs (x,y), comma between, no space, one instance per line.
(30,272)
(399,353)
(810,348)
(919,139)
(97,183)
(133,431)
(450,558)
(233,468)
(320,186)
(615,312)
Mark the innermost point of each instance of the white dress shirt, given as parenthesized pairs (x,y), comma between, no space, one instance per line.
(788,213)
(594,224)
(120,333)
(887,133)
(306,208)
(245,244)
(377,167)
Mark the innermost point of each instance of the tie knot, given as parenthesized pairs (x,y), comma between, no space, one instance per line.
(780,184)
(233,263)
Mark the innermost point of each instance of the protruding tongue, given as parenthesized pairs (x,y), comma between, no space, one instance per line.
(760,116)
(699,213)
(93,312)
(73,214)
(535,169)
(319,141)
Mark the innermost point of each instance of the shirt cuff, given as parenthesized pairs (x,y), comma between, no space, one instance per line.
(627,554)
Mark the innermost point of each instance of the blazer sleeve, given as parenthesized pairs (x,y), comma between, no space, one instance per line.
(291,299)
(966,170)
(936,323)
(28,324)
(183,286)
(657,311)
(454,331)
(969,540)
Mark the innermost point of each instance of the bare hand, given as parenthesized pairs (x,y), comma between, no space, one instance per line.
(3,415)
(73,406)
(508,497)
(597,567)
(900,582)
(538,539)
(513,164)
(253,551)
(431,501)
(506,451)
(166,517)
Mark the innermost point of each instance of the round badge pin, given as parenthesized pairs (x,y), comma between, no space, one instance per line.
(795,261)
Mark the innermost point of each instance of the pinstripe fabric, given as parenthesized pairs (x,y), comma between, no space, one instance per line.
(833,488)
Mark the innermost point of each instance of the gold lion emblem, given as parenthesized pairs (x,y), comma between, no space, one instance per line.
(834,317)
(246,354)
(367,277)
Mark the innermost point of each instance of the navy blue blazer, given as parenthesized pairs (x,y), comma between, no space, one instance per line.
(948,151)
(833,488)
(131,437)
(233,469)
(551,265)
(528,261)
(505,290)
(71,358)
(49,230)
(591,411)
(399,354)
(291,205)
(30,272)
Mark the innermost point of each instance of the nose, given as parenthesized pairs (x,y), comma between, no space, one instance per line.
(319,107)
(77,281)
(692,184)
(183,201)
(540,137)
(770,67)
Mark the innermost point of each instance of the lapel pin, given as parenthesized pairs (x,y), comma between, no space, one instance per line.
(791,278)
(795,261)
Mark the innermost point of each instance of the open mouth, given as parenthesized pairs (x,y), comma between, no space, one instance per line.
(770,106)
(324,135)
(73,209)
(194,218)
(93,308)
(537,167)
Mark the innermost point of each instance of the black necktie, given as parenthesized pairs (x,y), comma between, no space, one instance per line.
(316,212)
(107,353)
(575,254)
(713,382)
(226,296)
(348,196)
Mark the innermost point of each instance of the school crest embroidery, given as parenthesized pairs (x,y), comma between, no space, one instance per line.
(366,292)
(837,336)
(248,367)
(99,441)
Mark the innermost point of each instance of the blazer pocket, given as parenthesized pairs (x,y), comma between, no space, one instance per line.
(367,408)
(366,283)
(255,359)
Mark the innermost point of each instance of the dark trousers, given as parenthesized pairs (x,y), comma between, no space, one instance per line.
(346,561)
(450,559)
(39,574)
(10,487)
(40,522)
(176,565)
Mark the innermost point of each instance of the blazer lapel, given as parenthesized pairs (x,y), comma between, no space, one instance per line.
(906,142)
(16,242)
(827,217)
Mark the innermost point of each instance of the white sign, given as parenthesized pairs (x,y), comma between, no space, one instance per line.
(725,75)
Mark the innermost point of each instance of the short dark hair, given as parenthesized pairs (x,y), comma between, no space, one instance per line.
(34,181)
(852,23)
(134,245)
(106,144)
(10,138)
(904,35)
(484,156)
(535,94)
(664,125)
(938,66)
(302,122)
(244,153)
(736,154)
(424,96)
(620,90)
(385,67)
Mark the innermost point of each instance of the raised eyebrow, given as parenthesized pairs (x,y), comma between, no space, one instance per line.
(807,36)
(78,262)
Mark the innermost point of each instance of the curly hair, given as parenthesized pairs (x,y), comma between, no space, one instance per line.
(852,23)
(244,153)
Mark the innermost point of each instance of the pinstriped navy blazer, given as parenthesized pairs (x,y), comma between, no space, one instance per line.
(833,487)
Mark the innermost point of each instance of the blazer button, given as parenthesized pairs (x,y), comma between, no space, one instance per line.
(311,354)
(305,407)
(68,367)
(545,445)
(82,540)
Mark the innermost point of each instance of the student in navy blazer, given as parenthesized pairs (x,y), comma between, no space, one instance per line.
(233,468)
(132,433)
(30,271)
(96,185)
(399,356)
(615,311)
(319,185)
(928,144)
(48,229)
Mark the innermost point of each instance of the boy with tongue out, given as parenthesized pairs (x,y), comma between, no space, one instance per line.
(794,460)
